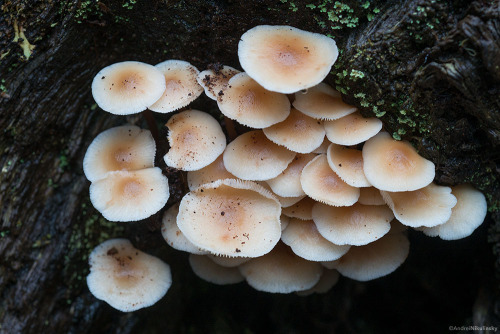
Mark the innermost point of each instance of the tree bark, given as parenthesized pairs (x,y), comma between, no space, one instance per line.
(429,69)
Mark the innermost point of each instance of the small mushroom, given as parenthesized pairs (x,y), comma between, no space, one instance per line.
(352,129)
(213,172)
(347,163)
(288,182)
(215,83)
(211,272)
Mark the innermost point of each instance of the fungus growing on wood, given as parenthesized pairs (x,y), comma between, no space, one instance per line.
(287,183)
(128,87)
(286,59)
(126,278)
(370,196)
(213,172)
(215,83)
(301,210)
(352,129)
(211,272)
(347,163)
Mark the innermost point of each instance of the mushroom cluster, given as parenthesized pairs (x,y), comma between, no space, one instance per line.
(311,190)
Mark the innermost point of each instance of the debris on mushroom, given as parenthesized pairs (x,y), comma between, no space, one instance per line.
(215,82)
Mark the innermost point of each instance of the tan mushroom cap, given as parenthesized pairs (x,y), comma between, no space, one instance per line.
(429,206)
(211,272)
(305,240)
(377,259)
(322,149)
(466,215)
(284,201)
(250,104)
(347,163)
(322,102)
(321,183)
(281,271)
(213,172)
(251,156)
(370,196)
(126,278)
(286,59)
(215,83)
(196,140)
(173,235)
(328,279)
(299,133)
(288,182)
(301,210)
(392,165)
(182,86)
(231,218)
(228,262)
(125,147)
(356,225)
(130,196)
(128,87)
(352,129)
(284,221)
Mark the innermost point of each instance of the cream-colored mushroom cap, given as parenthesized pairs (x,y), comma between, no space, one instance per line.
(231,217)
(429,206)
(126,278)
(228,262)
(285,202)
(322,102)
(392,165)
(128,87)
(281,271)
(213,172)
(286,59)
(125,147)
(215,83)
(182,86)
(370,196)
(301,210)
(211,272)
(284,220)
(288,182)
(251,156)
(250,104)
(321,183)
(299,133)
(356,225)
(466,215)
(347,163)
(130,196)
(173,235)
(377,259)
(196,140)
(322,149)
(305,240)
(328,279)
(352,129)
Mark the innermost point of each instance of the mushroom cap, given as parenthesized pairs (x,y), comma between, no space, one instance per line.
(196,140)
(321,183)
(347,163)
(288,182)
(284,201)
(299,133)
(284,221)
(182,86)
(301,210)
(211,272)
(126,278)
(328,279)
(305,240)
(231,218)
(213,172)
(322,149)
(377,259)
(286,59)
(173,235)
(128,87)
(228,262)
(370,196)
(322,102)
(466,215)
(281,271)
(125,147)
(215,83)
(429,206)
(130,196)
(251,156)
(356,225)
(392,165)
(250,104)
(352,129)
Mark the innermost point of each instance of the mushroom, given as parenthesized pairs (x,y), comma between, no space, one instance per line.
(286,59)
(228,262)
(352,129)
(126,278)
(301,210)
(211,272)
(370,196)
(128,87)
(328,279)
(347,163)
(287,183)
(213,172)
(215,82)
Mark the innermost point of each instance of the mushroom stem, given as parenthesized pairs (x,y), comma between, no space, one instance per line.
(231,130)
(148,115)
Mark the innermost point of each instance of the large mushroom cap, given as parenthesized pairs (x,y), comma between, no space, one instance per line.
(392,165)
(126,278)
(231,217)
(128,87)
(130,196)
(352,129)
(196,140)
(251,156)
(347,163)
(288,182)
(250,104)
(286,59)
(125,147)
(215,82)
(181,86)
(211,272)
